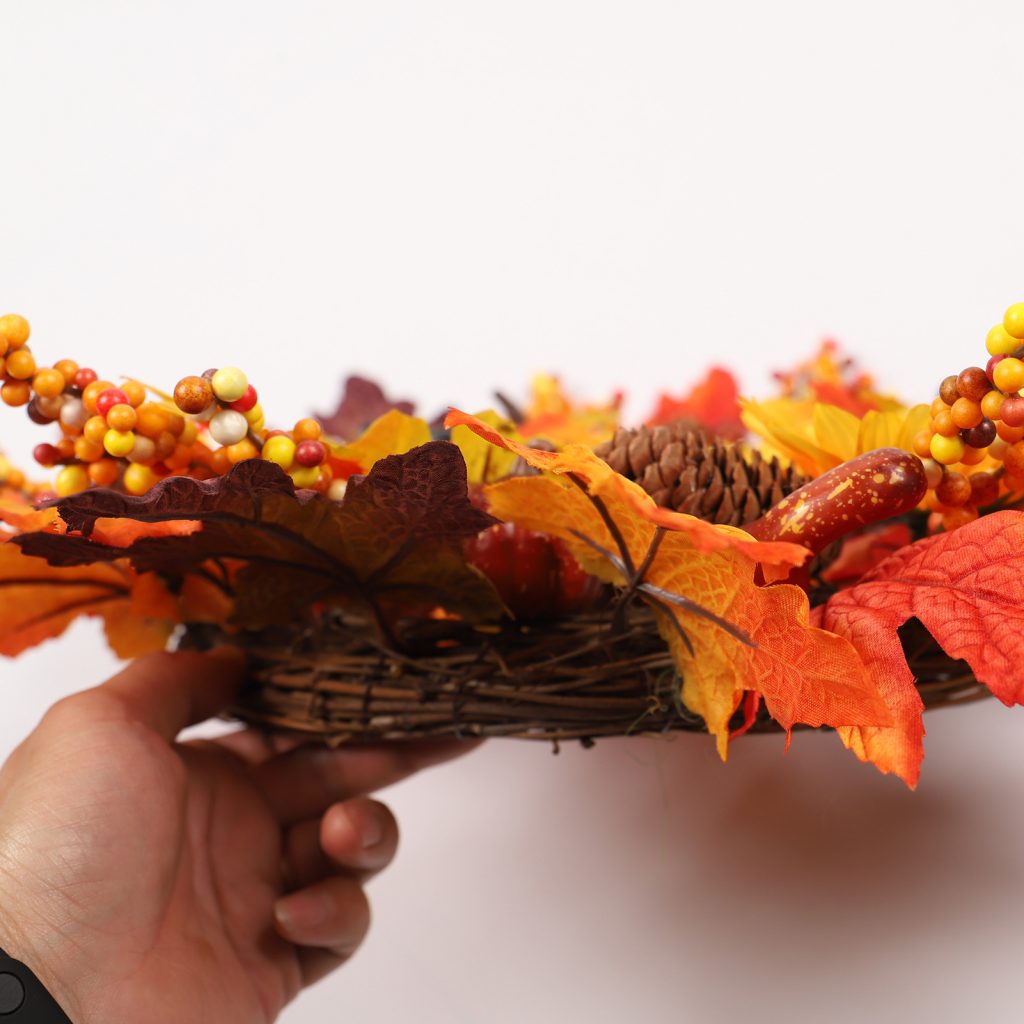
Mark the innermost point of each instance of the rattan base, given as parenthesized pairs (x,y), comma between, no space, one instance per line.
(571,679)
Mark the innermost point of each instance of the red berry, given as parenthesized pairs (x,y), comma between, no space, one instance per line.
(954,489)
(106,400)
(973,383)
(990,367)
(1012,412)
(984,489)
(46,455)
(310,453)
(982,435)
(246,402)
(84,377)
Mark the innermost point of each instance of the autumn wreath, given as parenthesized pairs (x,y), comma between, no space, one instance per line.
(827,557)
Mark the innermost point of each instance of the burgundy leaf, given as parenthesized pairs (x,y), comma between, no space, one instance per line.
(362,402)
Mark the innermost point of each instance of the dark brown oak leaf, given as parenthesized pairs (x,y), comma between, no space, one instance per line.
(393,544)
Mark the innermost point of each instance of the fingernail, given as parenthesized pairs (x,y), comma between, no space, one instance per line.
(372,830)
(300,912)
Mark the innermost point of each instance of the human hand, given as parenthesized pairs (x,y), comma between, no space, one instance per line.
(142,879)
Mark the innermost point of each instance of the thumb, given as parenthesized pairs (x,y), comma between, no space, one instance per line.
(169,691)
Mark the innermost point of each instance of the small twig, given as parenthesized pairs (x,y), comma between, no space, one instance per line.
(512,411)
(601,550)
(619,614)
(613,527)
(676,624)
(697,609)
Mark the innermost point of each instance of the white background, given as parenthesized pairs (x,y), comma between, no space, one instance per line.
(450,196)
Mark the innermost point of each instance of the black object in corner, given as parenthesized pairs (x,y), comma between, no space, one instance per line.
(23,1000)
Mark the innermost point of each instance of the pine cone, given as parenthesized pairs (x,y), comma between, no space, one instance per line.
(683,469)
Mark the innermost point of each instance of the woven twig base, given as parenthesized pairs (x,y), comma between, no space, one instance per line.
(562,680)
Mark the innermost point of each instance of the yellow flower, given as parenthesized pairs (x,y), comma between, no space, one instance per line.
(817,437)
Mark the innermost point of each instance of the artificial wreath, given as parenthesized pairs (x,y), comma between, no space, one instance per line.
(825,557)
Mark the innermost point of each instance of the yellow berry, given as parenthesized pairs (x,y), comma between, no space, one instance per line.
(1013,320)
(1008,374)
(336,492)
(138,478)
(999,343)
(21,364)
(305,476)
(229,384)
(118,442)
(947,450)
(122,417)
(307,430)
(70,480)
(48,383)
(15,329)
(280,449)
(254,415)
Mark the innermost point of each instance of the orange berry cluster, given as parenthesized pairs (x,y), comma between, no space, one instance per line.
(113,435)
(229,406)
(973,447)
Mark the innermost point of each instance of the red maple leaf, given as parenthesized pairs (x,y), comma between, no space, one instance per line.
(964,588)
(713,403)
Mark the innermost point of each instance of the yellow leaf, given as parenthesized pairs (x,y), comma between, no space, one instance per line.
(394,433)
(485,463)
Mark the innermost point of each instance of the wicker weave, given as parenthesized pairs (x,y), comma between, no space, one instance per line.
(566,679)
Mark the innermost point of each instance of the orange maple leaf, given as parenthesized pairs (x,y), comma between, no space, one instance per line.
(39,601)
(964,587)
(727,634)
